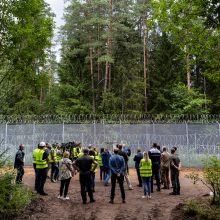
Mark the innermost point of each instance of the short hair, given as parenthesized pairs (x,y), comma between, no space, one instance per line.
(66,154)
(91,152)
(138,150)
(172,150)
(85,151)
(120,146)
(102,150)
(116,150)
(175,148)
(164,148)
(154,145)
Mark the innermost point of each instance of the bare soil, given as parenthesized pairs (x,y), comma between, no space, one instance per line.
(160,206)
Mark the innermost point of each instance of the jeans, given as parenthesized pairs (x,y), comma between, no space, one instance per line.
(86,184)
(107,175)
(41,179)
(156,173)
(20,174)
(120,179)
(54,171)
(146,182)
(64,187)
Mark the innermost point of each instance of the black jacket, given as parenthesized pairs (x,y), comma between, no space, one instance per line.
(19,159)
(137,159)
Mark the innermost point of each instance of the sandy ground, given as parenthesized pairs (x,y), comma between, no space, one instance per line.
(159,207)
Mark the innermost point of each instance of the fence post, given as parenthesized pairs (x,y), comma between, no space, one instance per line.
(120,131)
(103,122)
(187,143)
(82,139)
(63,130)
(33,141)
(6,134)
(94,133)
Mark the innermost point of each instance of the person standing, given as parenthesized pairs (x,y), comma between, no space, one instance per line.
(42,168)
(125,156)
(34,165)
(146,173)
(100,163)
(175,167)
(165,168)
(53,164)
(66,173)
(155,155)
(84,164)
(117,167)
(137,158)
(19,163)
(105,165)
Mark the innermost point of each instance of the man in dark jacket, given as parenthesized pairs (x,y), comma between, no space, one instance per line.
(19,163)
(137,158)
(105,166)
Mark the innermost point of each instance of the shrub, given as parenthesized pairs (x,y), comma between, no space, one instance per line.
(13,197)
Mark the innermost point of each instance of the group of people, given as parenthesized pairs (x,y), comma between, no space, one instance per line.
(150,165)
(158,165)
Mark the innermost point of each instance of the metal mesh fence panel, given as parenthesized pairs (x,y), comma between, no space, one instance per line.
(194,141)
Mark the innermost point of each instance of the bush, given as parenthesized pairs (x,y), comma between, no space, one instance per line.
(210,178)
(13,197)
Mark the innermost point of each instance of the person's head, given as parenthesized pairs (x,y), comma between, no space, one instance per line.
(21,147)
(175,148)
(164,149)
(89,146)
(106,149)
(173,151)
(48,145)
(158,147)
(102,150)
(91,152)
(42,145)
(66,154)
(116,150)
(145,156)
(138,150)
(85,151)
(154,145)
(120,146)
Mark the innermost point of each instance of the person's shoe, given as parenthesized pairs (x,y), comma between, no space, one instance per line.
(178,193)
(66,198)
(123,201)
(158,190)
(130,188)
(43,194)
(143,197)
(53,181)
(59,197)
(164,188)
(149,197)
(172,193)
(111,201)
(92,200)
(84,202)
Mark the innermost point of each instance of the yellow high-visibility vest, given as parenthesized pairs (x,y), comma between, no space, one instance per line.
(146,168)
(40,163)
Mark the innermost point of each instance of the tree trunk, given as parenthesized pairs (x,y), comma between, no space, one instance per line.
(188,70)
(92,78)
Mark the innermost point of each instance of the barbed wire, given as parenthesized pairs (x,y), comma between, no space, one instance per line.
(109,118)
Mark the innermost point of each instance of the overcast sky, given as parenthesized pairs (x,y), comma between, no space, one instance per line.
(57,7)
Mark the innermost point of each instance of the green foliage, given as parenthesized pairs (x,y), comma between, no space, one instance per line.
(210,178)
(184,101)
(13,197)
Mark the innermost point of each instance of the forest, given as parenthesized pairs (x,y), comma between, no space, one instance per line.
(117,57)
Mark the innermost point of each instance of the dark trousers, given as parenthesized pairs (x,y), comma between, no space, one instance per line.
(35,170)
(20,174)
(54,171)
(93,181)
(139,177)
(41,179)
(175,181)
(101,173)
(120,180)
(64,187)
(86,184)
(156,174)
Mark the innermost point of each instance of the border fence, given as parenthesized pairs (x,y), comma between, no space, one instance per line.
(195,136)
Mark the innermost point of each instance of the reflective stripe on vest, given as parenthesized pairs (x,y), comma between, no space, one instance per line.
(40,163)
(146,168)
(34,155)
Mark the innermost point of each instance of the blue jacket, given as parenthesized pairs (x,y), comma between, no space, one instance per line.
(105,159)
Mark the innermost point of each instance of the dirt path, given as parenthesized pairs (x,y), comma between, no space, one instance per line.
(159,207)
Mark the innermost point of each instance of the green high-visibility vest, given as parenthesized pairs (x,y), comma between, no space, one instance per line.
(74,152)
(40,163)
(53,151)
(100,160)
(59,155)
(93,165)
(34,155)
(146,168)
